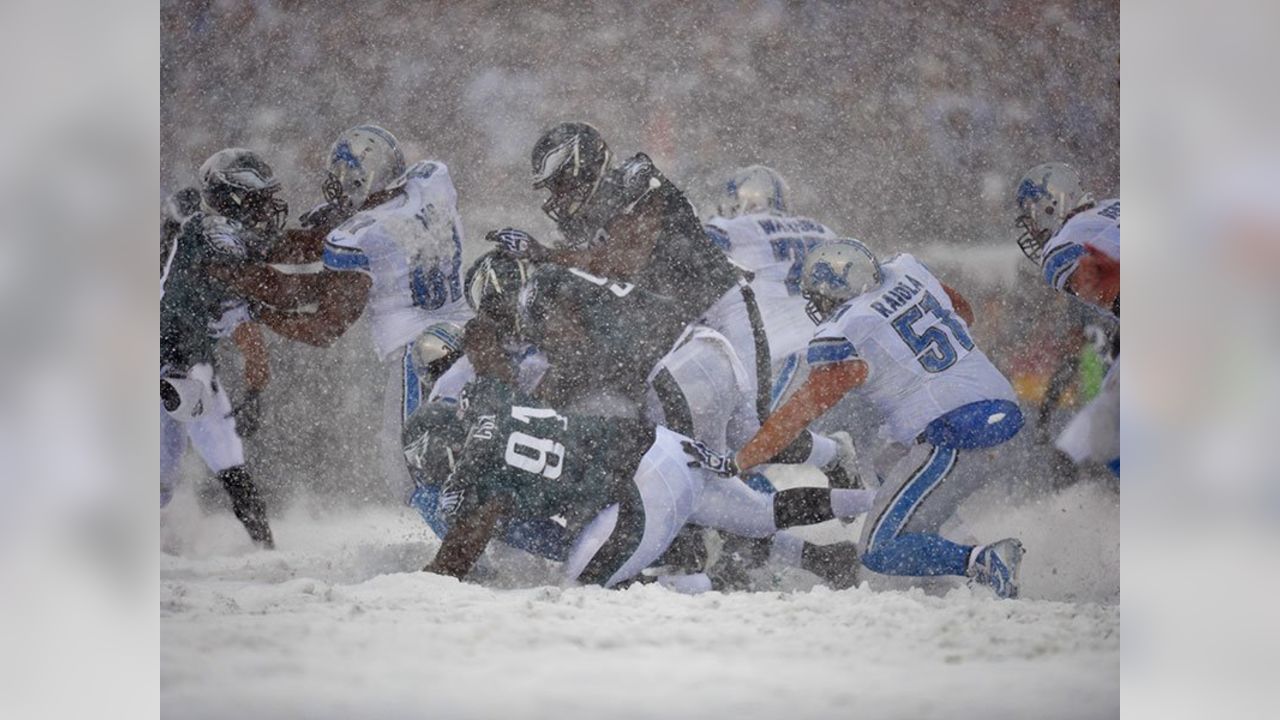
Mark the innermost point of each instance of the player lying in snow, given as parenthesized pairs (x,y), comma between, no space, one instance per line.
(891,333)
(624,488)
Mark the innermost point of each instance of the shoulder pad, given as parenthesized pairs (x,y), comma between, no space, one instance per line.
(420,170)
(718,235)
(181,205)
(224,236)
(353,227)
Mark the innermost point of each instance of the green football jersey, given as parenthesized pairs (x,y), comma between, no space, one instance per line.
(191,302)
(545,463)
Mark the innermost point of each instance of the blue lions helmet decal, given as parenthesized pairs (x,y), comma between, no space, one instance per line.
(836,272)
(826,276)
(342,154)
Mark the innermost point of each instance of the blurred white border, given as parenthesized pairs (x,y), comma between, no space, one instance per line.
(79,612)
(78,192)
(1201,180)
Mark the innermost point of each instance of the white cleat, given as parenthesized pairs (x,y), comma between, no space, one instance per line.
(996,566)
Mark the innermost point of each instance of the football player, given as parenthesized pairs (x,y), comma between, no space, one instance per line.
(632,225)
(1076,243)
(235,222)
(898,337)
(398,253)
(624,488)
(755,226)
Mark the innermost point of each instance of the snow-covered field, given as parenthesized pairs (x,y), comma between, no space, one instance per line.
(338,623)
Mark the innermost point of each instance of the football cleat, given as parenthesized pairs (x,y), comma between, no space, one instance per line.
(996,566)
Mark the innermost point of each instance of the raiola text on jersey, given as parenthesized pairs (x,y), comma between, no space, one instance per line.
(898,296)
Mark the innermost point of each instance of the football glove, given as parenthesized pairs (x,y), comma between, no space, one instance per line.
(248,414)
(701,456)
(517,243)
(325,215)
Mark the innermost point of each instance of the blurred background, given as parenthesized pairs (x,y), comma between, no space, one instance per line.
(905,126)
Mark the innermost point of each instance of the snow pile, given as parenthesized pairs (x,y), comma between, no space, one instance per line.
(338,623)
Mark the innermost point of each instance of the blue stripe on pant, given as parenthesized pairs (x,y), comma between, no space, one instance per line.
(412,393)
(891,551)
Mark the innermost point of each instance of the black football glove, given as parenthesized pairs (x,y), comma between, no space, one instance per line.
(701,456)
(325,215)
(517,243)
(248,414)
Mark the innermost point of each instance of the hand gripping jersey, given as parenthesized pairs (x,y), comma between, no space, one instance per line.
(195,309)
(921,361)
(1098,226)
(546,464)
(411,246)
(773,248)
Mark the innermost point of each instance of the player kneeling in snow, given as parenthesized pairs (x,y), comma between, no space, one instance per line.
(624,488)
(891,333)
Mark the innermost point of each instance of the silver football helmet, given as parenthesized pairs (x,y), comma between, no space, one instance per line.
(1046,196)
(435,343)
(835,272)
(755,189)
(238,184)
(363,161)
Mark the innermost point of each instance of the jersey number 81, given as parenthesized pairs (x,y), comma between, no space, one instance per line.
(537,455)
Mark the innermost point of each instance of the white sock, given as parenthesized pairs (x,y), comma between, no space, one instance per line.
(851,503)
(824,451)
(786,549)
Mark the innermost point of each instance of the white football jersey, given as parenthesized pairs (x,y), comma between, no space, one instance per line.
(774,248)
(1098,226)
(411,246)
(921,361)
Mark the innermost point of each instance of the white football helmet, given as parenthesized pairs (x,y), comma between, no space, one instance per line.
(755,189)
(362,162)
(1046,196)
(435,343)
(835,272)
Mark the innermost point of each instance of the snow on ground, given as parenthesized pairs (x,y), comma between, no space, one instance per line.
(338,623)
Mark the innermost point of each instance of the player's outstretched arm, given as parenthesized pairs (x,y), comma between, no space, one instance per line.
(468,536)
(299,246)
(825,386)
(257,370)
(342,297)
